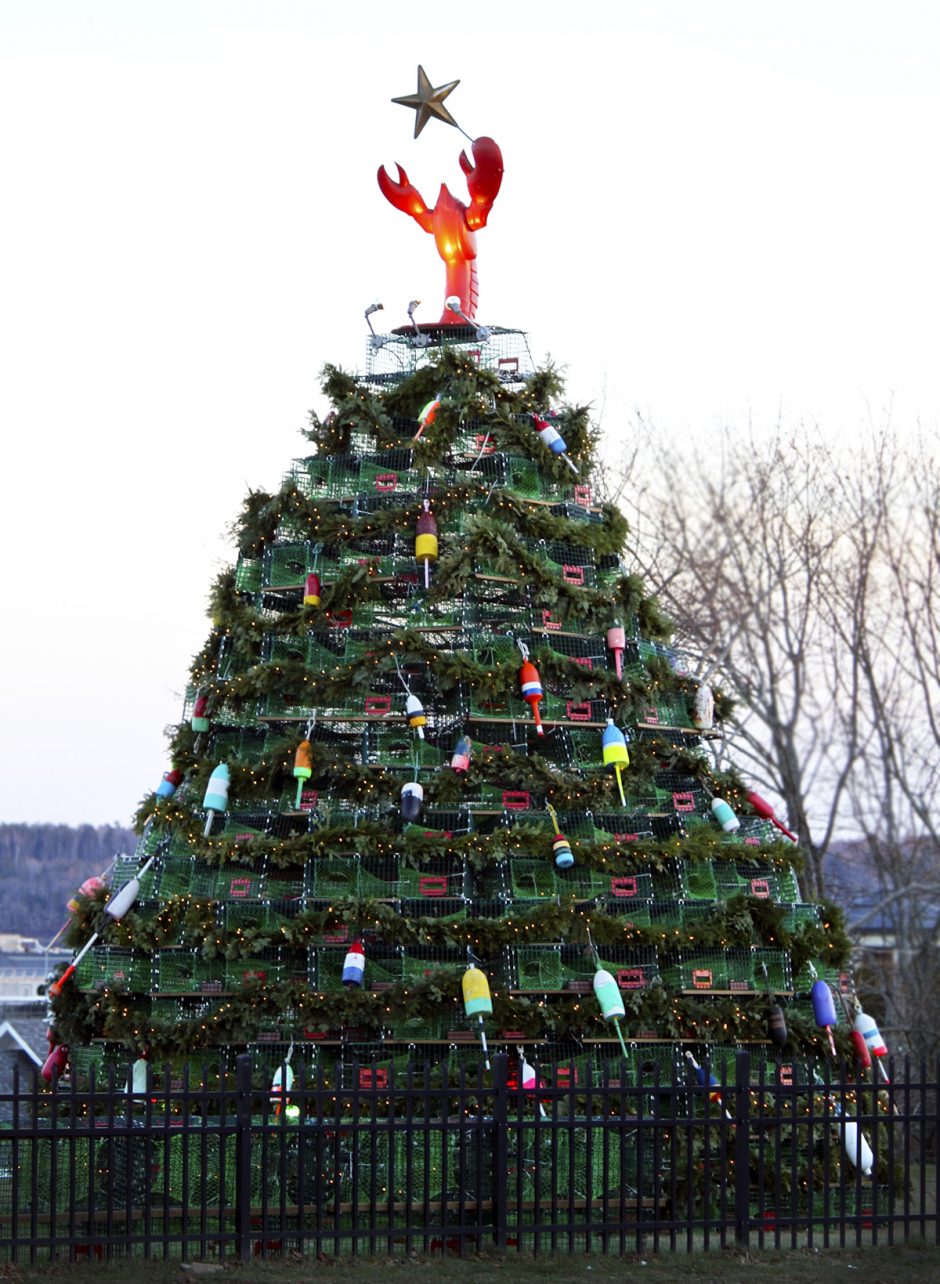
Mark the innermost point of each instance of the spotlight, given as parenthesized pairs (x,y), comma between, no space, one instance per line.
(376,340)
(452,303)
(418,339)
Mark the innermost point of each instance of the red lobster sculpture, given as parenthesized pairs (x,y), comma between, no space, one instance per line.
(452,223)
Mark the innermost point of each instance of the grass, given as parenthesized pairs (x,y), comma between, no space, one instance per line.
(880,1265)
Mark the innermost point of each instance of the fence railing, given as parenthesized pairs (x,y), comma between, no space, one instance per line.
(422,1162)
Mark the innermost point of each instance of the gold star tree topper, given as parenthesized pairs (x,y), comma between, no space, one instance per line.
(428,102)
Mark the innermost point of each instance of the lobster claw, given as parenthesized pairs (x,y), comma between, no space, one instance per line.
(404,196)
(483,179)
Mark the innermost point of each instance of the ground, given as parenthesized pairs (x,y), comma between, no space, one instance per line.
(883,1265)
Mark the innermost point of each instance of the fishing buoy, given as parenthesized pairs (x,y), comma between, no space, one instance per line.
(426,415)
(426,540)
(137,1083)
(414,712)
(824,1010)
(777,1025)
(705,1079)
(354,965)
(216,798)
(608,996)
(877,1048)
(868,1029)
(725,816)
(412,796)
(312,589)
(303,768)
(460,759)
(561,848)
(552,438)
(703,713)
(857,1149)
(614,750)
(616,642)
(282,1082)
(766,812)
(55,1063)
(529,1079)
(115,908)
(610,1000)
(88,888)
(200,720)
(531,685)
(862,1055)
(477,1002)
(169,784)
(527,1074)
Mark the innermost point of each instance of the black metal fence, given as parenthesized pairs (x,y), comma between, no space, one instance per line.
(223,1169)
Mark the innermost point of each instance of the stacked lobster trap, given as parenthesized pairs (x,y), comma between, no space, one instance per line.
(400,790)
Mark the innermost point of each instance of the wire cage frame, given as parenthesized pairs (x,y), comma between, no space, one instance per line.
(443,909)
(621,828)
(109,968)
(436,878)
(697,880)
(760,879)
(589,651)
(328,876)
(441,822)
(249,574)
(320,652)
(185,971)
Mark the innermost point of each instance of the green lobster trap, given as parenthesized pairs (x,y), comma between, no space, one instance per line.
(697,880)
(318,652)
(248,574)
(536,968)
(187,972)
(311,476)
(267,967)
(621,828)
(798,916)
(328,877)
(108,968)
(756,878)
(529,879)
(822,969)
(438,909)
(440,822)
(225,882)
(437,878)
(736,969)
(379,877)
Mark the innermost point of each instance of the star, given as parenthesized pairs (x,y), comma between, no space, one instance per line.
(428,102)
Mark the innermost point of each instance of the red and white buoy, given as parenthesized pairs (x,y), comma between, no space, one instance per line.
(531,685)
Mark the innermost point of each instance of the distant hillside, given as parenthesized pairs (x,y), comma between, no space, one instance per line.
(42,865)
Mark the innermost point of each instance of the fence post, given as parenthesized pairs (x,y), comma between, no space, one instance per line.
(243,1156)
(742,1147)
(500,1148)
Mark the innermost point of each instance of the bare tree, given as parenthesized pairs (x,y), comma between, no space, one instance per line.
(741,544)
(891,615)
(809,582)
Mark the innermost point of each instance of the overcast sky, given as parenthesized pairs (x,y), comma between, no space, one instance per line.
(712,211)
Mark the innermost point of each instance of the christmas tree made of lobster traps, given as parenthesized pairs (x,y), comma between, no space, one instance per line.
(442,783)
(440,769)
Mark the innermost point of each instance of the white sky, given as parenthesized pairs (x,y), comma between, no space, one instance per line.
(711,211)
